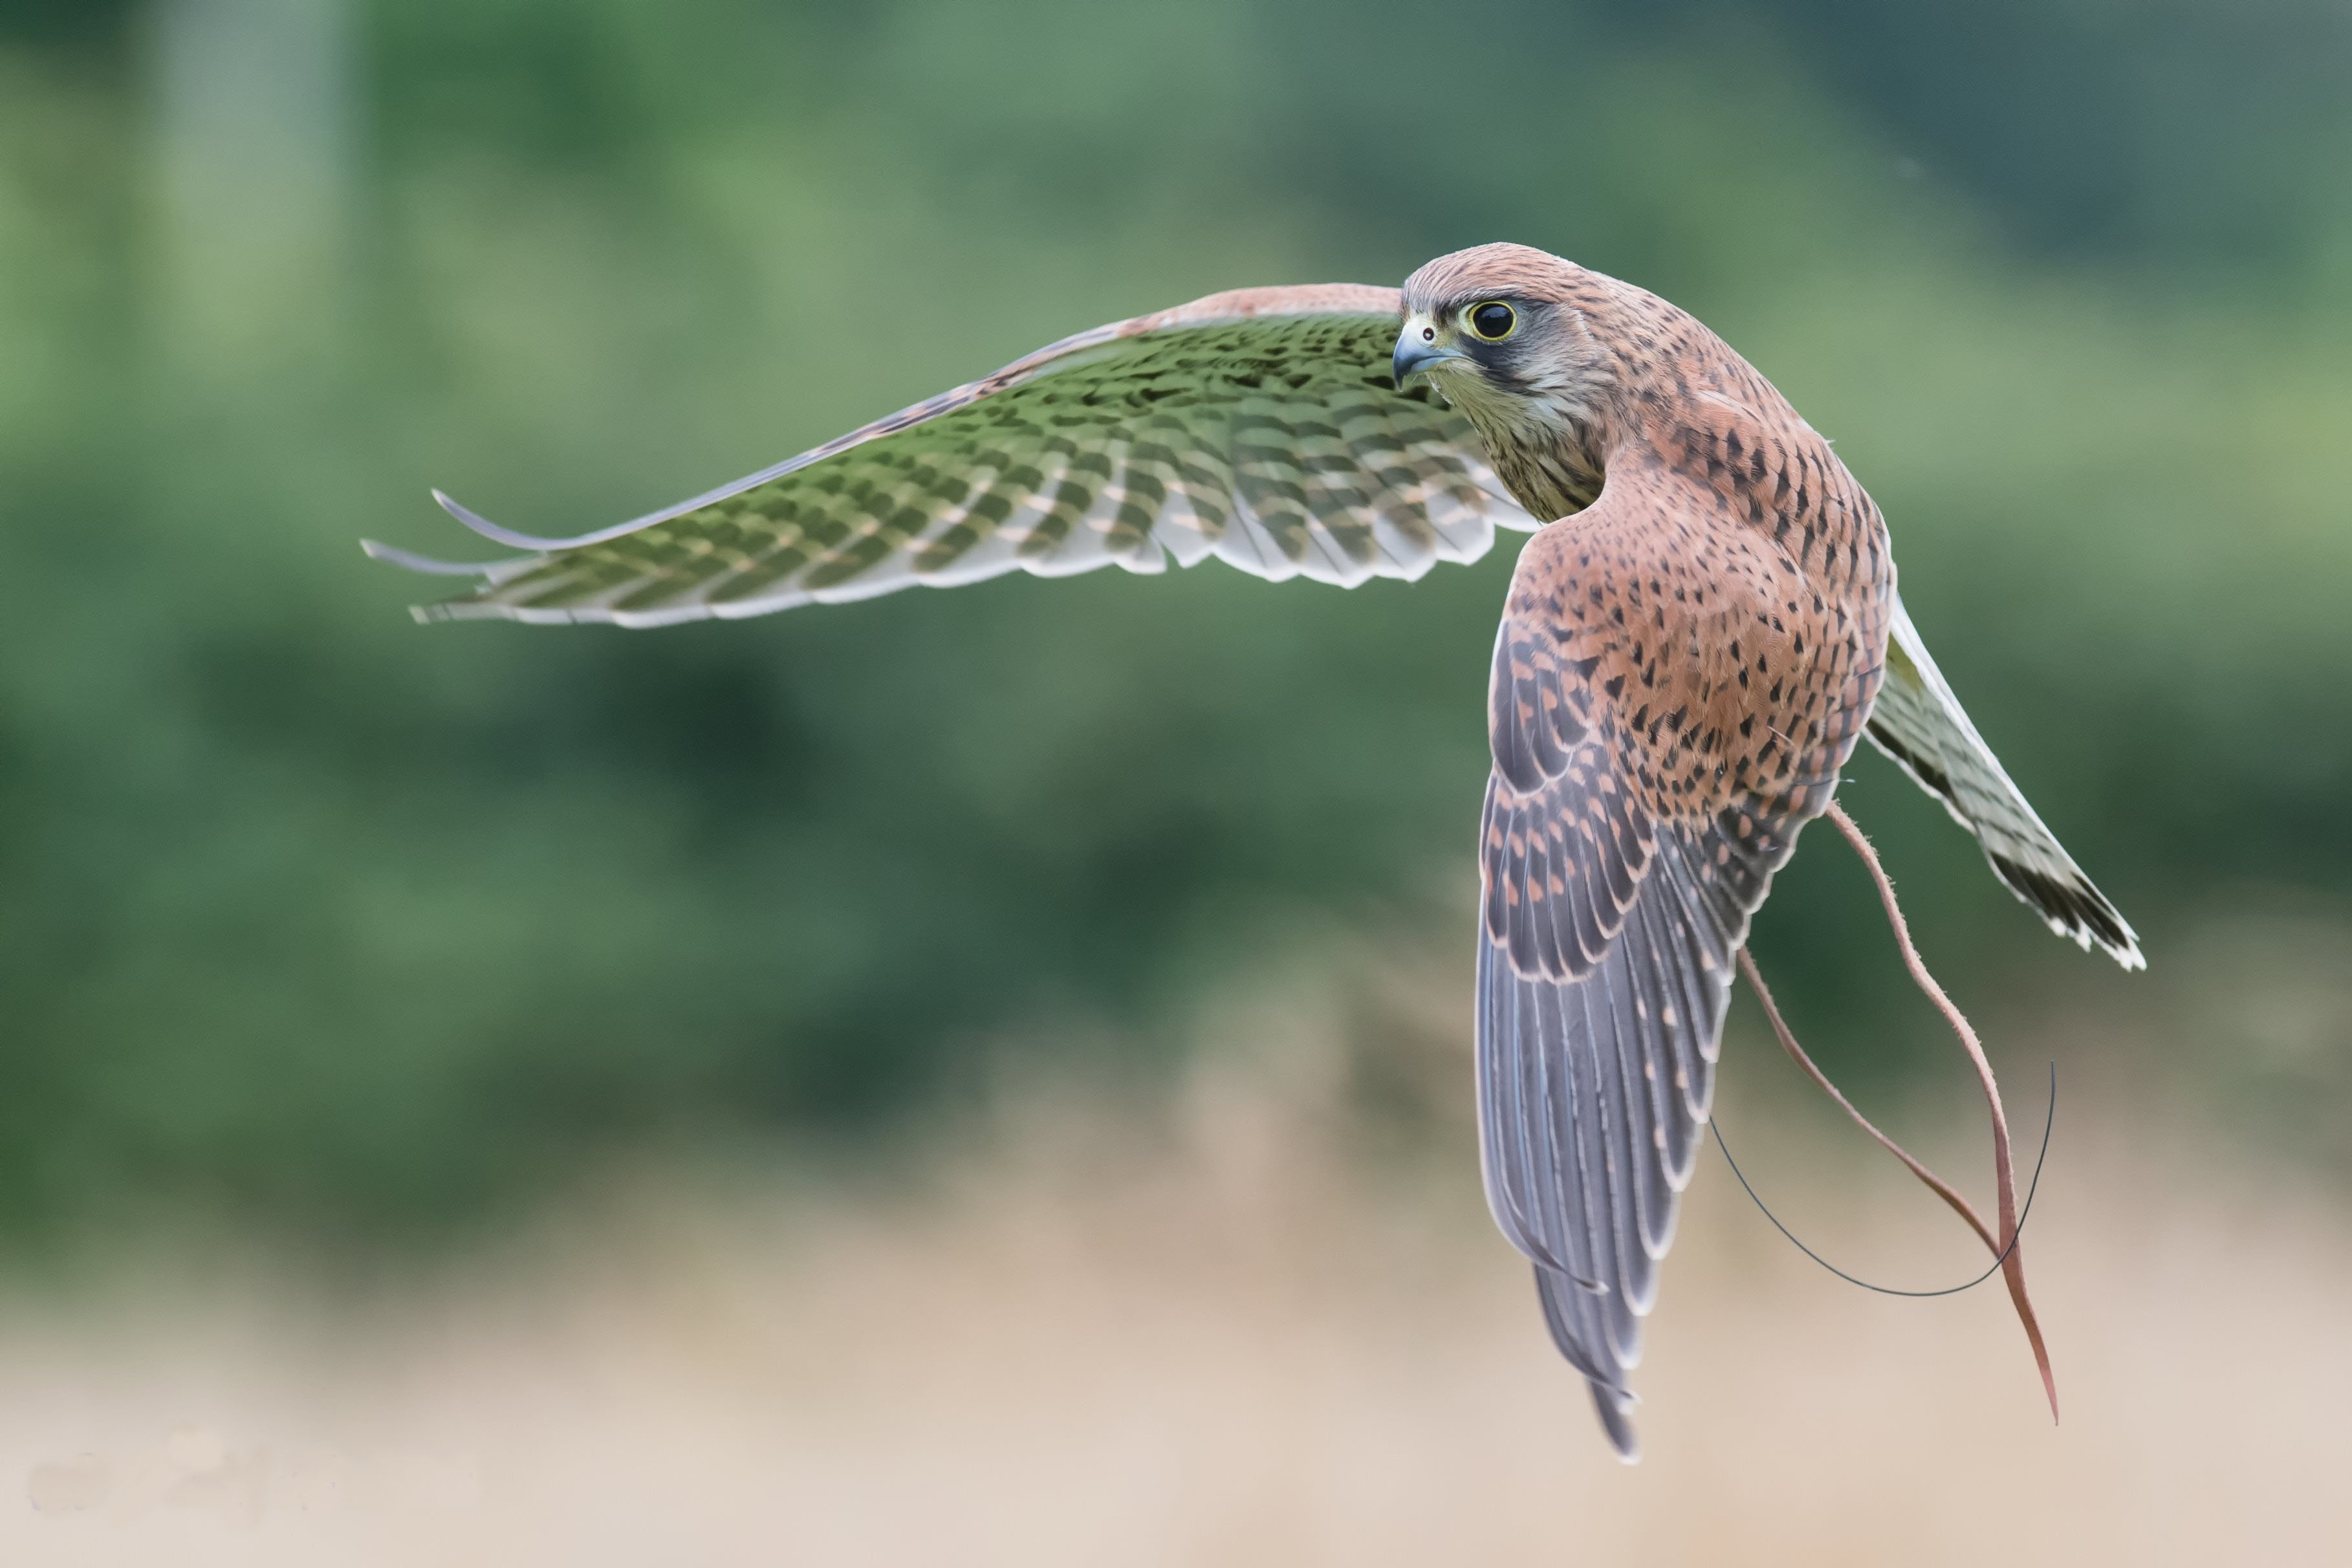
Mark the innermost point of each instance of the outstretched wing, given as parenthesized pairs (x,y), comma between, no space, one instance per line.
(1621,857)
(1260,425)
(1919,723)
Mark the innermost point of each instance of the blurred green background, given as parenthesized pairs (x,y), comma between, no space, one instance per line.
(355,929)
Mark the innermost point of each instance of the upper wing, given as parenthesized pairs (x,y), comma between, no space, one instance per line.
(1633,824)
(1919,723)
(1260,425)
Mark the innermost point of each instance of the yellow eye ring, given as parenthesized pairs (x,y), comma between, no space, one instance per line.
(1490,321)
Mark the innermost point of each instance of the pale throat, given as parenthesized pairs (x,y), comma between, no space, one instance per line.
(1544,445)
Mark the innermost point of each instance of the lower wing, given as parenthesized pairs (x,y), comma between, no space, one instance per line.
(1917,722)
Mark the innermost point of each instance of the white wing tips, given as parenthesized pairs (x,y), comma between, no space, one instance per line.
(492,531)
(2071,906)
(487,574)
(1616,1413)
(429,565)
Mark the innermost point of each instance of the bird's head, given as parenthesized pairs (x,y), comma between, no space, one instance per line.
(1505,334)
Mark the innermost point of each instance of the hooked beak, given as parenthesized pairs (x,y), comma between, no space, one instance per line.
(1415,355)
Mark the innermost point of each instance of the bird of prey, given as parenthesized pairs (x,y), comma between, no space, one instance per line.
(1701,628)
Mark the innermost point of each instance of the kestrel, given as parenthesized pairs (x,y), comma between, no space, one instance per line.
(1702,625)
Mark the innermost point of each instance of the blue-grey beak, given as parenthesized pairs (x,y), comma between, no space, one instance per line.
(1414,355)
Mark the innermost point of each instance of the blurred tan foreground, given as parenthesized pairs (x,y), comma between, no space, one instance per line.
(1221,1334)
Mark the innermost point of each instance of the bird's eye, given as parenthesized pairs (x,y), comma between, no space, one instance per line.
(1492,320)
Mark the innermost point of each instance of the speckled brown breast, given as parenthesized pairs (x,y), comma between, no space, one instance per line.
(1721,611)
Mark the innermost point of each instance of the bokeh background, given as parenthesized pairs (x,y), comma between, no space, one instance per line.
(982,1076)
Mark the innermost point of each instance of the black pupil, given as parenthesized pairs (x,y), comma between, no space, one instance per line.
(1491,321)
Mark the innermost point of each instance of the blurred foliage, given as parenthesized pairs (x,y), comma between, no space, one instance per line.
(353,924)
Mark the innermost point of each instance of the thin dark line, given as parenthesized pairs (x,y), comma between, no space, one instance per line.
(2048,1121)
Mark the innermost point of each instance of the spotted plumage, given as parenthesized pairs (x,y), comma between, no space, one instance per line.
(1694,640)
